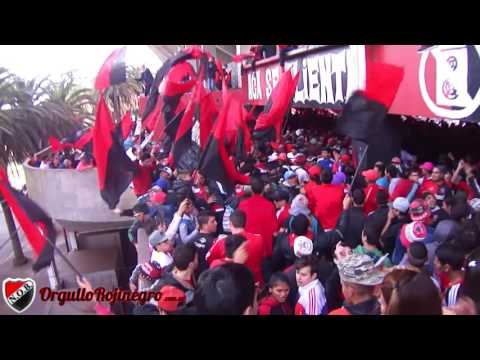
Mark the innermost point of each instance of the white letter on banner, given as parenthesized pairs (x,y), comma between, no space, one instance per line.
(250,86)
(259,86)
(338,67)
(275,76)
(313,87)
(326,91)
(352,75)
(268,82)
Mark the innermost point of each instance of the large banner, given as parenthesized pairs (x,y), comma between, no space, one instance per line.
(441,81)
(327,79)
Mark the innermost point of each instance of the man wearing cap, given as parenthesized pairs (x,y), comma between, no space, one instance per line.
(359,276)
(162,248)
(371,176)
(398,164)
(290,183)
(397,217)
(417,230)
(427,169)
(164,178)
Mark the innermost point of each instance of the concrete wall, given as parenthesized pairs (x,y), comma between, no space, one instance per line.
(72,195)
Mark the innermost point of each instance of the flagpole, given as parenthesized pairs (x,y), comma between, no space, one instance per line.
(63,257)
(359,165)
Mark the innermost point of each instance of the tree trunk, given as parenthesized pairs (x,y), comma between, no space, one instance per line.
(19,258)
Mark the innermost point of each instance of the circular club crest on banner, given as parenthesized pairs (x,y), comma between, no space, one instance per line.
(455,97)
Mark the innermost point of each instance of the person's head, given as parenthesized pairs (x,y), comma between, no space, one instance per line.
(257,185)
(67,164)
(414,175)
(426,169)
(448,204)
(400,206)
(358,276)
(300,225)
(206,222)
(370,235)
(391,171)
(184,175)
(238,219)
(280,198)
(189,208)
(371,176)
(140,211)
(201,180)
(419,211)
(232,244)
(417,254)
(382,197)
(438,173)
(159,241)
(448,176)
(380,167)
(407,292)
(448,258)
(429,199)
(225,290)
(291,178)
(460,212)
(278,287)
(146,159)
(306,270)
(325,153)
(471,280)
(185,257)
(326,176)
(166,172)
(171,300)
(358,197)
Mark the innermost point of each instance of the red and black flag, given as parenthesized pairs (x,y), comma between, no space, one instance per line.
(84,141)
(269,122)
(113,71)
(34,221)
(115,169)
(364,115)
(194,128)
(181,56)
(126,124)
(215,163)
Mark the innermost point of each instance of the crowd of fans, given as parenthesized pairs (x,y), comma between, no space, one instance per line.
(299,239)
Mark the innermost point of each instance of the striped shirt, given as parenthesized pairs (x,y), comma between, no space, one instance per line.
(312,299)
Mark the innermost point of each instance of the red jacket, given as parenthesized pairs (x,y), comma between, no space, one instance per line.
(402,189)
(339,311)
(283,216)
(261,219)
(270,306)
(254,250)
(142,181)
(308,193)
(328,200)
(370,198)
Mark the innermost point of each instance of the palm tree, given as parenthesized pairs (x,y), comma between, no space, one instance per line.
(30,112)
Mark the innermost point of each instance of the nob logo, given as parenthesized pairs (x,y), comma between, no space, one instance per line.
(452,68)
(19,293)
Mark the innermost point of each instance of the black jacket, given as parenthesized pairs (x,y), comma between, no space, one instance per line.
(350,224)
(369,307)
(379,217)
(282,255)
(388,239)
(203,243)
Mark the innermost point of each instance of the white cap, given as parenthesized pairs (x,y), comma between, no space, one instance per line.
(273,157)
(302,246)
(302,175)
(401,204)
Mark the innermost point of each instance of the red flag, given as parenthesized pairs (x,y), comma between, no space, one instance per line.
(33,220)
(83,140)
(113,71)
(115,169)
(277,105)
(55,144)
(215,163)
(382,82)
(126,124)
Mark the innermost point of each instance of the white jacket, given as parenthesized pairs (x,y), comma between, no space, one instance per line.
(312,298)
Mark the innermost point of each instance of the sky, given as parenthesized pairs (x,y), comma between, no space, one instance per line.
(30,61)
